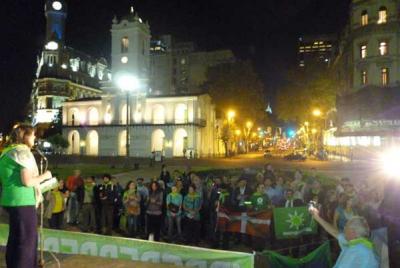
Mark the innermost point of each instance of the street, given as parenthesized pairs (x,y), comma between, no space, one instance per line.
(357,170)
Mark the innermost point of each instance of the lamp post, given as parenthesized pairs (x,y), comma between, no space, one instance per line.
(238,133)
(127,83)
(249,126)
(318,115)
(230,117)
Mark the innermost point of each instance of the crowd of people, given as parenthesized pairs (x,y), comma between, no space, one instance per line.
(185,207)
(182,207)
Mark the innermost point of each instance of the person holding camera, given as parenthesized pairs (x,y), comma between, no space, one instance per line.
(356,249)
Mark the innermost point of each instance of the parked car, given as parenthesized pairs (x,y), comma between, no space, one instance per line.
(267,153)
(296,156)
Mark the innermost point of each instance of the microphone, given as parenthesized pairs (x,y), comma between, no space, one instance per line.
(41,154)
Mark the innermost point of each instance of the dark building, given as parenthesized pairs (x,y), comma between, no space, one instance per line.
(316,50)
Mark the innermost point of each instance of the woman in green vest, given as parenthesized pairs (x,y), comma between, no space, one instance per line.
(174,211)
(192,206)
(20,196)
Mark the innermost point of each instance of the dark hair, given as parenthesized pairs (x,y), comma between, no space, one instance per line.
(92,177)
(107,176)
(19,132)
(128,184)
(151,187)
(290,190)
(259,184)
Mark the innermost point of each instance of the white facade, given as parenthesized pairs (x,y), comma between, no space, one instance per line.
(170,124)
(130,46)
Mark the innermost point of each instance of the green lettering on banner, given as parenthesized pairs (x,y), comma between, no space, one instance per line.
(138,250)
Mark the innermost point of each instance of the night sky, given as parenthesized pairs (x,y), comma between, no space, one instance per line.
(263,30)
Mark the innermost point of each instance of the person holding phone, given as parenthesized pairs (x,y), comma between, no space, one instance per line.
(356,248)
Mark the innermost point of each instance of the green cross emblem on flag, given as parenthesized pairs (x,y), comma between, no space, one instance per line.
(293,222)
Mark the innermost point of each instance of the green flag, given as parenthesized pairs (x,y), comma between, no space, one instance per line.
(318,258)
(293,222)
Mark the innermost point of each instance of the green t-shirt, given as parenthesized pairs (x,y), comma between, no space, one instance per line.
(259,201)
(14,193)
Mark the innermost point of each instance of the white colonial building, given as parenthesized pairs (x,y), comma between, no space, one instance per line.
(168,124)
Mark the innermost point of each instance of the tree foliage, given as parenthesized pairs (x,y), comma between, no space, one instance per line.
(237,86)
(58,142)
(305,92)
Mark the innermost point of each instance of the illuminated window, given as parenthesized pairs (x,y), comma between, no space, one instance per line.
(364,78)
(363,51)
(364,18)
(385,76)
(382,15)
(383,48)
(124,44)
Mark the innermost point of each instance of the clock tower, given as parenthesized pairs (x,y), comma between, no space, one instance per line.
(130,47)
(56,14)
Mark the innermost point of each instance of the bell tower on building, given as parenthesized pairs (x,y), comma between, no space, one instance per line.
(130,47)
(56,15)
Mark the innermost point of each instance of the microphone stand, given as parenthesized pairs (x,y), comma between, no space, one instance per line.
(43,169)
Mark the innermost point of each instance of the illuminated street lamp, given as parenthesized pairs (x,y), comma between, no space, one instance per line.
(314,130)
(249,124)
(238,132)
(127,83)
(231,114)
(317,112)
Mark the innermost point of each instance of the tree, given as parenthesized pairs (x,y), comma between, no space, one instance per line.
(304,92)
(58,142)
(237,86)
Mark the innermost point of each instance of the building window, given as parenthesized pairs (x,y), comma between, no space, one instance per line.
(382,15)
(363,51)
(49,103)
(124,44)
(383,48)
(364,78)
(385,76)
(364,18)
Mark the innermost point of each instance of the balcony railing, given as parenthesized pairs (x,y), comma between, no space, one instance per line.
(197,122)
